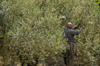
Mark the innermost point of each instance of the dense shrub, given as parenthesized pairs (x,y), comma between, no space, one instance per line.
(35,29)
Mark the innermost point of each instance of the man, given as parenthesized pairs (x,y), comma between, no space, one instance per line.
(70,32)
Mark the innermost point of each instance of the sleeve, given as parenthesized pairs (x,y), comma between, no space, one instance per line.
(76,32)
(74,28)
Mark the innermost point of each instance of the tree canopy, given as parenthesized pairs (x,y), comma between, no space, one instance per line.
(35,28)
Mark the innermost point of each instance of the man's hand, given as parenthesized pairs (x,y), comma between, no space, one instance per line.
(83,27)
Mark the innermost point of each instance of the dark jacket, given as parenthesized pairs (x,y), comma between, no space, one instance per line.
(70,34)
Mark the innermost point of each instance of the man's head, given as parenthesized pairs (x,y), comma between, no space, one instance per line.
(69,25)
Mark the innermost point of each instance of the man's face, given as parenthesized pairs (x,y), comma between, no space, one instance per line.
(70,26)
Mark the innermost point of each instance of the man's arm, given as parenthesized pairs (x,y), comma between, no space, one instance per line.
(76,32)
(74,28)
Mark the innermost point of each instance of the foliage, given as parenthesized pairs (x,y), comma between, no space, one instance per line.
(35,28)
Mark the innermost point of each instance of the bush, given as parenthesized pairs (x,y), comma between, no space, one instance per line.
(35,29)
